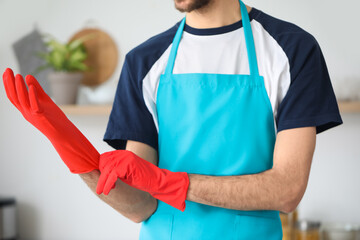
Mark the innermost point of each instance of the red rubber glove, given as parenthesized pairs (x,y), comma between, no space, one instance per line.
(169,187)
(37,108)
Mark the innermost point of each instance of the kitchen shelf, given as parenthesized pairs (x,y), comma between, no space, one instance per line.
(349,106)
(86,109)
(345,107)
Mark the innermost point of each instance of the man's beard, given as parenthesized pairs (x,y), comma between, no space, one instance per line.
(193,5)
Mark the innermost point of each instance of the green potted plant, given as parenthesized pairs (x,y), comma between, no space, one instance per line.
(67,61)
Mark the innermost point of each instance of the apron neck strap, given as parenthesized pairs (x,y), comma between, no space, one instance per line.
(254,70)
(248,38)
(174,48)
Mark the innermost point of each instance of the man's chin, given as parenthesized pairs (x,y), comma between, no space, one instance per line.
(190,5)
(183,5)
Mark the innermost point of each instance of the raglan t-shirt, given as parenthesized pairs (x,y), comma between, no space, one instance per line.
(289,58)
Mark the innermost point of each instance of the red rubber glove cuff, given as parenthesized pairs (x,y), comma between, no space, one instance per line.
(172,188)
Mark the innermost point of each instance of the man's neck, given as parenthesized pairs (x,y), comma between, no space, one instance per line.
(217,13)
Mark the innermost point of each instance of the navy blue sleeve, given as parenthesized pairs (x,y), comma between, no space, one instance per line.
(310,100)
(129,118)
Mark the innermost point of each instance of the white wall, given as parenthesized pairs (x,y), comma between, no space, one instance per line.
(55,204)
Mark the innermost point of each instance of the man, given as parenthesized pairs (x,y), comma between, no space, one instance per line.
(220,130)
(217,118)
(224,150)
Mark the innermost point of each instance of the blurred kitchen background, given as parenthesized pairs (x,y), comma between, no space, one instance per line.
(54,204)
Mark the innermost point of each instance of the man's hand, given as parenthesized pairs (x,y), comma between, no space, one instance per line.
(169,187)
(132,203)
(38,109)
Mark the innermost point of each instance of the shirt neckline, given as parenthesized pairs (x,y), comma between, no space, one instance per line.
(220,30)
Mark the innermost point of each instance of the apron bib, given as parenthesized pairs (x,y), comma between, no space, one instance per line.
(220,125)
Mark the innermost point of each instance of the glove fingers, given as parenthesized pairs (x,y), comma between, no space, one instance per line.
(31,80)
(22,92)
(102,180)
(9,84)
(34,102)
(111,180)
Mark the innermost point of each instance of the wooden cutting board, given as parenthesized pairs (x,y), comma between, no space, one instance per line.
(102,56)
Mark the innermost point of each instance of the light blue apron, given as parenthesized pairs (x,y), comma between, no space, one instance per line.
(220,125)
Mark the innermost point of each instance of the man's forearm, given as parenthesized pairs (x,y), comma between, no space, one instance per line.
(269,190)
(280,188)
(130,202)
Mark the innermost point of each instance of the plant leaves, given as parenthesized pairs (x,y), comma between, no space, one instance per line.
(57,59)
(65,57)
(78,56)
(74,45)
(78,66)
